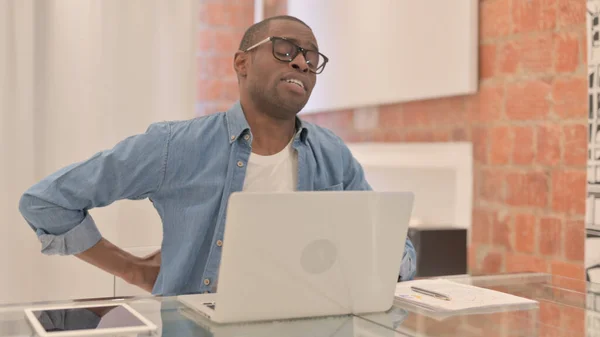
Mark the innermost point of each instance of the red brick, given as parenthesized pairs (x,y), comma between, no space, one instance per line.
(569,191)
(460,134)
(337,121)
(480,144)
(209,90)
(549,144)
(517,262)
(571,12)
(390,116)
(500,145)
(566,49)
(434,112)
(477,184)
(536,53)
(528,100)
(568,269)
(501,231)
(525,233)
(351,136)
(206,40)
(533,15)
(494,18)
(311,118)
(584,47)
(482,226)
(570,97)
(508,57)
(519,321)
(487,60)
(427,136)
(549,313)
(493,185)
(216,67)
(492,263)
(274,8)
(574,240)
(229,14)
(550,331)
(487,105)
(527,189)
(573,320)
(523,152)
(244,14)
(392,136)
(216,14)
(550,236)
(230,90)
(575,149)
(472,249)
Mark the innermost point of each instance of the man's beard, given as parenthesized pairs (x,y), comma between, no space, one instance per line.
(270,102)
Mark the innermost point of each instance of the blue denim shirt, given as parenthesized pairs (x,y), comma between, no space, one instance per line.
(187,169)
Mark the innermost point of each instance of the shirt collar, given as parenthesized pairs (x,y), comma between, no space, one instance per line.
(237,124)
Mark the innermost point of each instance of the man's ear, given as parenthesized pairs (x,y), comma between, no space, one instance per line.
(240,63)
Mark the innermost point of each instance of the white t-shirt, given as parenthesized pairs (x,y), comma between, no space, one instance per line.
(275,173)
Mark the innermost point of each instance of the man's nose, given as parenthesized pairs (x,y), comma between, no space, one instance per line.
(299,63)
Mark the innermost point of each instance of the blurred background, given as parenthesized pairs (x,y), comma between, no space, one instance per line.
(487,110)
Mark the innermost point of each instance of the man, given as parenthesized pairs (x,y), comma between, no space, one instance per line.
(189,168)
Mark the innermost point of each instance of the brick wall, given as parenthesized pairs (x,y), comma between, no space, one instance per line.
(221,25)
(527,124)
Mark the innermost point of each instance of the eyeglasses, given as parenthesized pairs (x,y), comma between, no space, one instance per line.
(286,50)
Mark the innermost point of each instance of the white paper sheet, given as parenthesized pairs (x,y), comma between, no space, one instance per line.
(462,297)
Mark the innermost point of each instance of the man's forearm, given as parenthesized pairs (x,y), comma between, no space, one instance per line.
(111,259)
(139,271)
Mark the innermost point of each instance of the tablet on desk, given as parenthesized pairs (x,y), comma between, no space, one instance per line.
(88,320)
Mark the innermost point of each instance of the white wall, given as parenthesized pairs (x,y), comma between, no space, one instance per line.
(89,74)
(390,51)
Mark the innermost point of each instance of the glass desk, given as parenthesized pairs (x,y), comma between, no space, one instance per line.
(568,307)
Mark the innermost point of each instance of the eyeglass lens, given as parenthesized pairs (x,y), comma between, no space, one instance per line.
(287,51)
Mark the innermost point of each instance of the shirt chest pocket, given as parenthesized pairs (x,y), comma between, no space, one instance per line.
(337,187)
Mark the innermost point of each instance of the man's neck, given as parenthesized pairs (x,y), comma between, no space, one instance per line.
(270,135)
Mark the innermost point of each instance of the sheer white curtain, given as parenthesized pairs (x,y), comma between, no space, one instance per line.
(77,76)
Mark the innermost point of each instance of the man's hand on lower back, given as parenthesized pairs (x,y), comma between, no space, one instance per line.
(139,271)
(145,271)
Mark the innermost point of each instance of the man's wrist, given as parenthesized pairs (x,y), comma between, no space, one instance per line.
(132,271)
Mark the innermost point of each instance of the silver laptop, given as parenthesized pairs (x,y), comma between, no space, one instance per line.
(308,254)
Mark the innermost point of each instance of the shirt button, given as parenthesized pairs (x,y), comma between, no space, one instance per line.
(246,137)
(240,163)
(206,281)
(232,137)
(219,243)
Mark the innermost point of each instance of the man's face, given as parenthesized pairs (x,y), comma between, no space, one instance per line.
(279,86)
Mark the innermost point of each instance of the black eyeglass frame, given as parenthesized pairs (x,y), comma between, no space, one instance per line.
(299,49)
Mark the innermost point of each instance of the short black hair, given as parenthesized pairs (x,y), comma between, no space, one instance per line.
(259,28)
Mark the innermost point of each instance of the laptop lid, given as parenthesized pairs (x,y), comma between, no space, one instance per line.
(305,254)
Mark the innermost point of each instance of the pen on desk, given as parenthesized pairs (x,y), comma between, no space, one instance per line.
(430,293)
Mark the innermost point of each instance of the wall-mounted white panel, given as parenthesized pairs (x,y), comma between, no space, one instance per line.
(390,51)
(440,175)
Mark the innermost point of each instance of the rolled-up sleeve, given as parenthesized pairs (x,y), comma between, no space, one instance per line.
(354,179)
(408,268)
(57,207)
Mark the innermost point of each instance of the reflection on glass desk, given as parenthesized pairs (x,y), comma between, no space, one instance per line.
(565,305)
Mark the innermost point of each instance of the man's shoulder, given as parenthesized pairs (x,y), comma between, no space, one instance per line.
(192,127)
(195,122)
